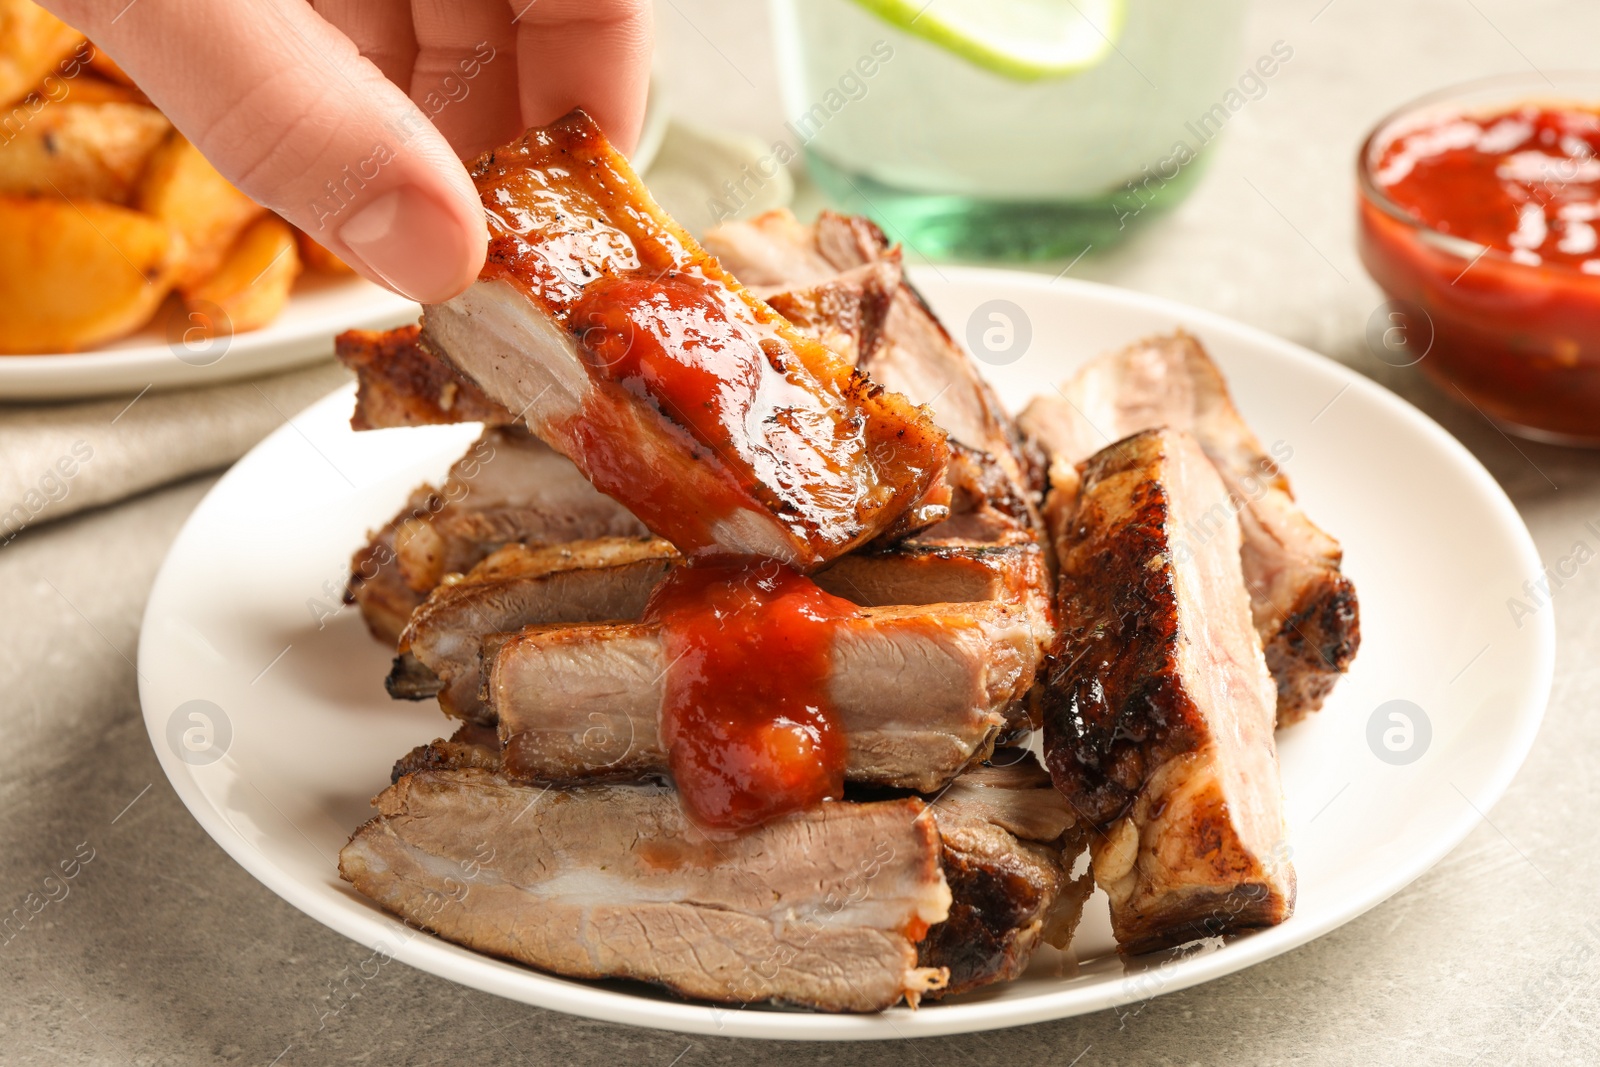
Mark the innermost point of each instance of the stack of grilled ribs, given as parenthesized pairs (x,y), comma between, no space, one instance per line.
(1122,569)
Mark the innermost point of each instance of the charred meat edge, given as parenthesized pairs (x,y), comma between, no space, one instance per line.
(508,488)
(1010,843)
(398,383)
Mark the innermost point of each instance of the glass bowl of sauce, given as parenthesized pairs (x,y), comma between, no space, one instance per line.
(1479,216)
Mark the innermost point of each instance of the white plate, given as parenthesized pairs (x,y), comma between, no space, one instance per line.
(1434,546)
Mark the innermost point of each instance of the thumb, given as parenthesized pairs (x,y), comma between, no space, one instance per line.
(284,107)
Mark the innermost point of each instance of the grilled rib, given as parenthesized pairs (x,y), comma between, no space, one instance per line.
(508,488)
(1009,845)
(1304,608)
(506,868)
(821,910)
(859,310)
(398,383)
(915,356)
(592,311)
(518,586)
(1157,703)
(611,579)
(920,692)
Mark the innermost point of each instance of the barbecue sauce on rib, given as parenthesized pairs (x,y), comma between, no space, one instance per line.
(734,388)
(746,720)
(669,340)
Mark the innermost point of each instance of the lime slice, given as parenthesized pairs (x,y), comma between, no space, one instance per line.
(1021,39)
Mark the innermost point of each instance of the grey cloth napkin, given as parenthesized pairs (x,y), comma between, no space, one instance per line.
(62,458)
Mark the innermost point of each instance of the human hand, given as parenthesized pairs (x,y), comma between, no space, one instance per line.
(347,117)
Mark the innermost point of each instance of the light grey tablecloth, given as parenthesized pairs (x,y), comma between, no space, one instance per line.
(165,952)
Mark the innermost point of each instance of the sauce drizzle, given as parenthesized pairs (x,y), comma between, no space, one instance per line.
(749,728)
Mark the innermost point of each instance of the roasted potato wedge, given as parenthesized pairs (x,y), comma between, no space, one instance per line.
(76,150)
(74,275)
(318,258)
(33,43)
(252,285)
(185,191)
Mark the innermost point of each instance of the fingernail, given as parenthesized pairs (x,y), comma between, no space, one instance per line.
(411,242)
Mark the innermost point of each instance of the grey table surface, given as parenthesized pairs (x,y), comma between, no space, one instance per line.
(166,952)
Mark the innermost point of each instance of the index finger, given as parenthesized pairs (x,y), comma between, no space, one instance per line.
(593,54)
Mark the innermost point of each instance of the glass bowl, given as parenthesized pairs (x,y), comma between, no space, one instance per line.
(1518,341)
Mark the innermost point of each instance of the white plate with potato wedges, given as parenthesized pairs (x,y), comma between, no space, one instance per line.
(178,349)
(126,261)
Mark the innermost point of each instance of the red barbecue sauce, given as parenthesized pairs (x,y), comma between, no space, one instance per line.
(1523,181)
(727,383)
(746,720)
(668,339)
(1518,329)
(665,337)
